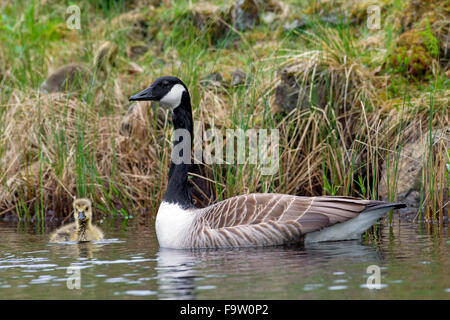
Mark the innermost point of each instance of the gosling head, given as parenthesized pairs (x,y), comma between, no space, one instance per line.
(82,210)
(167,90)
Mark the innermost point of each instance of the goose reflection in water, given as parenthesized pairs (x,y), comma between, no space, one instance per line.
(176,274)
(180,272)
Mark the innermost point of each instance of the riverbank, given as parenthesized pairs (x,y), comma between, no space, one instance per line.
(361,109)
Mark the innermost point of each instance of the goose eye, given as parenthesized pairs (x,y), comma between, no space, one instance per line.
(165,84)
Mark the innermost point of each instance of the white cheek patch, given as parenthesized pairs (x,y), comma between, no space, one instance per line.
(173,97)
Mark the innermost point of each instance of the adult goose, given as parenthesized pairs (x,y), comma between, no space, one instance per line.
(252,219)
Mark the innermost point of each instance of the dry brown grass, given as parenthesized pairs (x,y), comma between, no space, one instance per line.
(51,141)
(56,147)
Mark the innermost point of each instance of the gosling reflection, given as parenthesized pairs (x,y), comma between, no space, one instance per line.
(86,250)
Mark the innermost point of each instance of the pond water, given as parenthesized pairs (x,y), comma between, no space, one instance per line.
(413,262)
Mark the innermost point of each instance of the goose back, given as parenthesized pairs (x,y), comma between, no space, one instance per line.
(270,219)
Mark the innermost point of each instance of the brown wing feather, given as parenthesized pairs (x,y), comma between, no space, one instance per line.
(271,219)
(312,213)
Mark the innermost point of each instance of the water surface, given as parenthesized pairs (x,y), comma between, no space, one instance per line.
(413,260)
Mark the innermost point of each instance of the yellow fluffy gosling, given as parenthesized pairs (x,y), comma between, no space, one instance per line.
(82,229)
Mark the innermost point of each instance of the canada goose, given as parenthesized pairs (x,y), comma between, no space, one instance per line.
(82,229)
(68,77)
(251,219)
(72,76)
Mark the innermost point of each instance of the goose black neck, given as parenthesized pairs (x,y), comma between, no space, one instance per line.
(178,189)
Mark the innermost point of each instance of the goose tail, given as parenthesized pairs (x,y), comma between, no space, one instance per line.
(378,205)
(353,228)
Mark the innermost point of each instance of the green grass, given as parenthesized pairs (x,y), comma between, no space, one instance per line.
(337,145)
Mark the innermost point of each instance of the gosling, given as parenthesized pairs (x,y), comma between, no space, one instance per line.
(74,76)
(82,230)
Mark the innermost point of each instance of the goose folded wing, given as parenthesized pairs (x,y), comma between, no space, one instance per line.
(308,214)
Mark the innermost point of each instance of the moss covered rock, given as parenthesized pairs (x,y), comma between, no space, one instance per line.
(210,18)
(411,56)
(426,27)
(135,24)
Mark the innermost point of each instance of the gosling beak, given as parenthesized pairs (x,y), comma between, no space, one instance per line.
(81,216)
(144,95)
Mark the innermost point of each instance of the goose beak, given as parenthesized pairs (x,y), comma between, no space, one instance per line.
(144,95)
(81,216)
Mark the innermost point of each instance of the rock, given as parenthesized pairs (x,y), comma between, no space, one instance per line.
(410,55)
(286,97)
(314,80)
(245,14)
(402,177)
(412,201)
(277,7)
(273,10)
(210,16)
(408,169)
(135,23)
(287,93)
(427,21)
